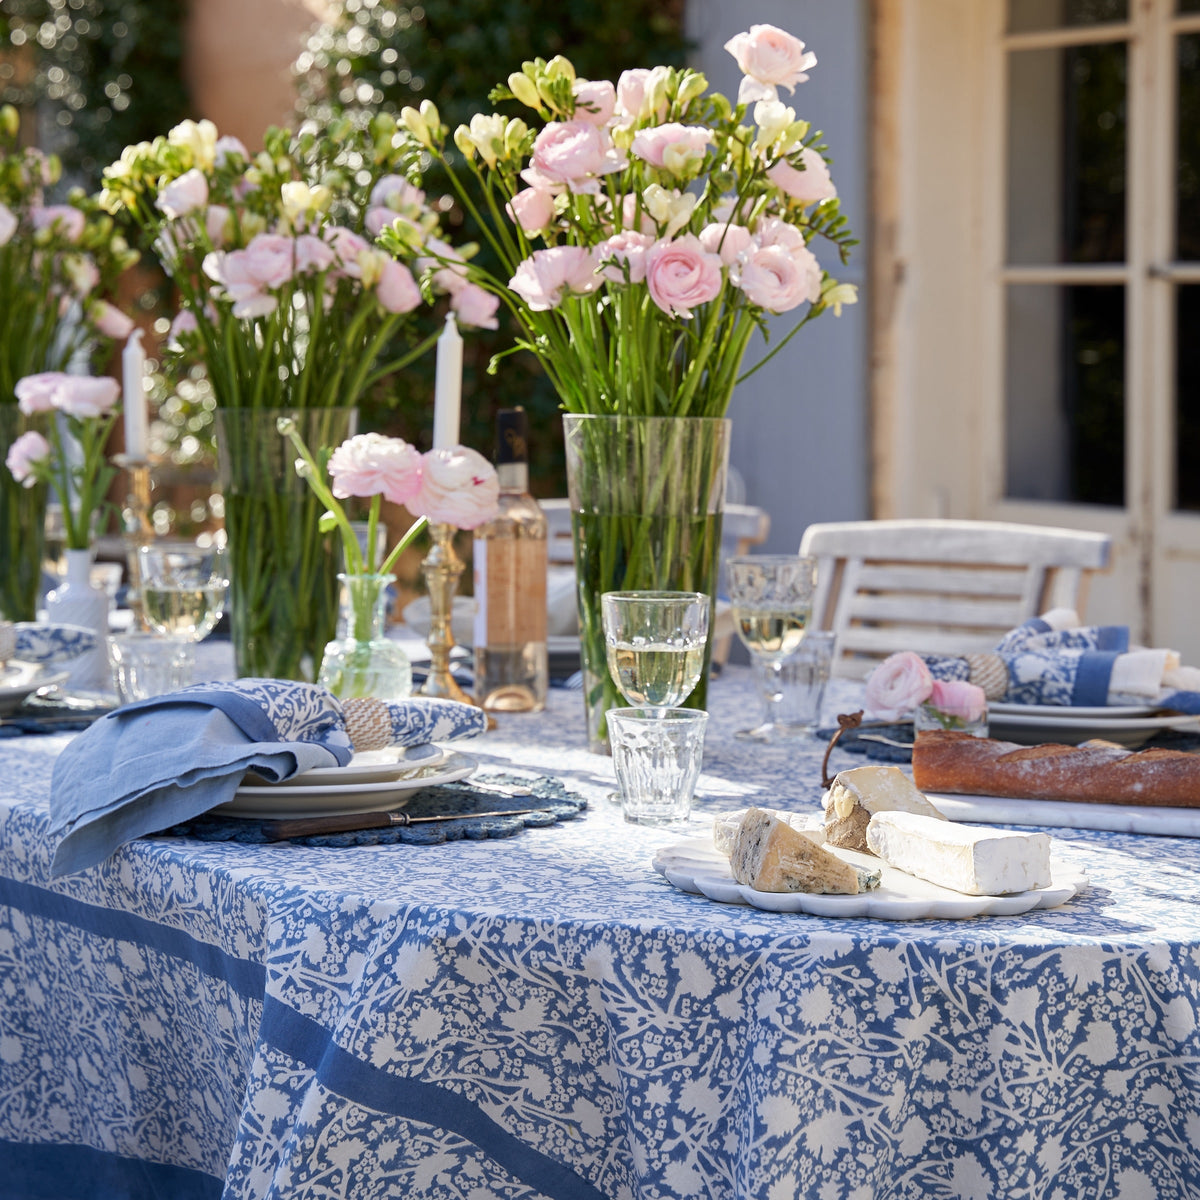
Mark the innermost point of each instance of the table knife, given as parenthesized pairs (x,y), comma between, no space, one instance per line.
(283,830)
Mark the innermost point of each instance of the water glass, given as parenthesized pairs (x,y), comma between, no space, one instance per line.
(145,665)
(657,755)
(795,688)
(655,643)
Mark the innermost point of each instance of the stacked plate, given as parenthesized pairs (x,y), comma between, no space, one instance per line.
(1127,725)
(20,680)
(372,781)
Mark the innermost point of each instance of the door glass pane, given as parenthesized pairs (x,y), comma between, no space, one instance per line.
(1187,204)
(1065,394)
(1066,154)
(1025,16)
(1187,398)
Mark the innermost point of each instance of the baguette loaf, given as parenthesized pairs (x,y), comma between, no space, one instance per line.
(1099,772)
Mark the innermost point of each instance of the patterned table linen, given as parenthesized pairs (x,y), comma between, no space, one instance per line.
(545,1016)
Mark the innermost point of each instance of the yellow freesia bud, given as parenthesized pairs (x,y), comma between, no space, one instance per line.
(416,125)
(514,135)
(772,118)
(834,295)
(432,118)
(670,208)
(10,121)
(692,86)
(525,90)
(462,139)
(487,135)
(560,68)
(199,138)
(371,263)
(655,97)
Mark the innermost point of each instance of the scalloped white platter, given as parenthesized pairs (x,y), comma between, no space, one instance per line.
(697,866)
(368,766)
(18,680)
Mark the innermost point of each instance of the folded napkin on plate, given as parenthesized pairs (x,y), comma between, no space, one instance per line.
(1054,660)
(152,764)
(28,641)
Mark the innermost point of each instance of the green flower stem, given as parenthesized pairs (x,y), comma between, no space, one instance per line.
(410,536)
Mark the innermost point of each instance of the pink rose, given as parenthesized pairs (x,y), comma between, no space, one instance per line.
(475,307)
(674,147)
(810,186)
(898,685)
(371,464)
(626,247)
(313,255)
(8,224)
(110,321)
(35,393)
(458,487)
(542,279)
(727,241)
(958,698)
(774,279)
(594,101)
(532,209)
(63,220)
(769,58)
(184,195)
(397,290)
(348,246)
(29,451)
(571,154)
(682,274)
(86,396)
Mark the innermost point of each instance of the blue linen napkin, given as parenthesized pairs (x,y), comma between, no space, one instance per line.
(158,762)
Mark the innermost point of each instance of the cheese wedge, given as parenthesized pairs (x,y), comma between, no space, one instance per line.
(857,795)
(979,862)
(726,826)
(770,856)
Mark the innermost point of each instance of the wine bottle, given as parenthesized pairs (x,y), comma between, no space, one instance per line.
(511,666)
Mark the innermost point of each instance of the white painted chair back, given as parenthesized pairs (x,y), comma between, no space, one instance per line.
(941,587)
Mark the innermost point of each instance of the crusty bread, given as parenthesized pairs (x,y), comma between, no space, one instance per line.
(1098,772)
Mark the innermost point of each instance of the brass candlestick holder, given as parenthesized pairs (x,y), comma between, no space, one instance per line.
(442,569)
(139,529)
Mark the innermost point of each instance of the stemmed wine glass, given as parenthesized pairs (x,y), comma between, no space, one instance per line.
(771,596)
(655,643)
(183,586)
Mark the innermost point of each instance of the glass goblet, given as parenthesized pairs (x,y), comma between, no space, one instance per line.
(771,596)
(183,586)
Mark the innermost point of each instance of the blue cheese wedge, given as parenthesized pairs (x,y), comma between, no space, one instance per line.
(770,856)
(857,795)
(979,862)
(726,826)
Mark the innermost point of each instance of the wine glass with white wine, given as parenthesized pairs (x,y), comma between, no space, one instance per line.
(183,585)
(771,596)
(655,643)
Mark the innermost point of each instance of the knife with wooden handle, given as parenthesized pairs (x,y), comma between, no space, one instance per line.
(282,831)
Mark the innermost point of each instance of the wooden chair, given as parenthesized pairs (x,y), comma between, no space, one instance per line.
(941,587)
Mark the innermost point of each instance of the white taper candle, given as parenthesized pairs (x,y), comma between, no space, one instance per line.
(447,394)
(137,419)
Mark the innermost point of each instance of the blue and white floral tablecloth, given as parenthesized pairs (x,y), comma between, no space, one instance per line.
(543,1016)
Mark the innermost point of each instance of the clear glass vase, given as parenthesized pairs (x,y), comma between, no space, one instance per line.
(647,495)
(362,660)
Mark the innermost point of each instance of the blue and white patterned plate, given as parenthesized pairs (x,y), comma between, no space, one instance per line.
(368,766)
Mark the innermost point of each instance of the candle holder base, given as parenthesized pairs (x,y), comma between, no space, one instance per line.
(139,529)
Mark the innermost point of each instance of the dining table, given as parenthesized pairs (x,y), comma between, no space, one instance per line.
(543,1014)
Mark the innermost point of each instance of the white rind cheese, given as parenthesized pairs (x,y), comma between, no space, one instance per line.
(856,795)
(979,862)
(770,856)
(726,826)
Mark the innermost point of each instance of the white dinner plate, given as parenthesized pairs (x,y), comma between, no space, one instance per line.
(1030,730)
(369,766)
(19,680)
(290,799)
(1108,712)
(697,866)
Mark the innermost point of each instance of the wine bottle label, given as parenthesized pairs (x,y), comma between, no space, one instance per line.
(510,591)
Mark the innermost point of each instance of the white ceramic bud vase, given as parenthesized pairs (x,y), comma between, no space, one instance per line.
(78,601)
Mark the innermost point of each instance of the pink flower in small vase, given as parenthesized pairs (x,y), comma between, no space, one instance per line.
(958,698)
(547,275)
(475,307)
(898,685)
(458,487)
(770,59)
(371,464)
(29,451)
(681,274)
(810,186)
(86,396)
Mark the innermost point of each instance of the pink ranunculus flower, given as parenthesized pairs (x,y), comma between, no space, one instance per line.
(810,186)
(458,487)
(183,325)
(26,453)
(475,307)
(227,147)
(727,241)
(625,247)
(447,264)
(547,275)
(63,219)
(532,209)
(572,155)
(349,247)
(313,255)
(8,224)
(86,396)
(681,274)
(595,100)
(187,194)
(109,320)
(776,279)
(396,193)
(218,224)
(397,290)
(634,87)
(770,59)
(674,147)
(35,393)
(371,464)
(958,698)
(898,685)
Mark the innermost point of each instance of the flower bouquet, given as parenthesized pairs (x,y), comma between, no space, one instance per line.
(455,486)
(293,309)
(57,263)
(647,229)
(902,687)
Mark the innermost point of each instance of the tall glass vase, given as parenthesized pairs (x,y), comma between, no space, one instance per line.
(283,587)
(22,526)
(362,660)
(646,500)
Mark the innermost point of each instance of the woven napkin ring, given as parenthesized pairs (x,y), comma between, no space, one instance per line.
(989,672)
(368,723)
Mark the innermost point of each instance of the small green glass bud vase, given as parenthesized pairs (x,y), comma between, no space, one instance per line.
(362,660)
